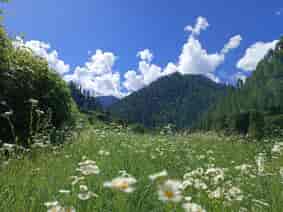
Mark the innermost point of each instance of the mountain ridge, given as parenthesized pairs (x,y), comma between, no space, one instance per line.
(176,99)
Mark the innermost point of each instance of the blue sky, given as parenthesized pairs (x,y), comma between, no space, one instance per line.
(125,27)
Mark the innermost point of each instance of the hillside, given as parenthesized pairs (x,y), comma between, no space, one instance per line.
(261,97)
(107,101)
(174,99)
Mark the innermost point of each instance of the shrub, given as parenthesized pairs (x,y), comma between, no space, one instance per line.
(28,84)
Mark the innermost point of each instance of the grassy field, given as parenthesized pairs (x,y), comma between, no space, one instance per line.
(117,170)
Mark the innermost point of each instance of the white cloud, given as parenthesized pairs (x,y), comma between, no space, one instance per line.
(44,50)
(233,43)
(145,55)
(194,59)
(200,25)
(170,69)
(97,75)
(146,74)
(133,81)
(254,54)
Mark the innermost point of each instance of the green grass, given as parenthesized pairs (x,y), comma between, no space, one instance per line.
(27,183)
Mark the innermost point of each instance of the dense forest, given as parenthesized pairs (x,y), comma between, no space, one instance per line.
(176,99)
(254,105)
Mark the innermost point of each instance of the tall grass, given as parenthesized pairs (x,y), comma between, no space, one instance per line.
(250,168)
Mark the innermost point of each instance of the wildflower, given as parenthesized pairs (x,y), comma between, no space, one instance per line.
(216,194)
(53,206)
(187,183)
(198,184)
(88,167)
(68,209)
(63,191)
(122,184)
(33,101)
(170,191)
(260,163)
(9,147)
(153,177)
(85,194)
(193,207)
(40,112)
(244,168)
(76,179)
(234,193)
(277,148)
(8,114)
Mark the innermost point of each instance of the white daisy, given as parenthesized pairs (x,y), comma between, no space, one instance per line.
(170,191)
(122,184)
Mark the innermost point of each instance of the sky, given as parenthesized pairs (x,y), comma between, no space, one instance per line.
(116,47)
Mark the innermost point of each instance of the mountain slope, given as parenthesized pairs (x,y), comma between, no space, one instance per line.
(174,99)
(107,101)
(261,94)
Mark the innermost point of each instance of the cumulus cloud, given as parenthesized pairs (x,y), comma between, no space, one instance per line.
(200,25)
(133,81)
(97,75)
(254,54)
(44,50)
(194,59)
(146,74)
(233,43)
(145,55)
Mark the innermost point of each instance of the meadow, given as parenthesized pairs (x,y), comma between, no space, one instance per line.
(114,169)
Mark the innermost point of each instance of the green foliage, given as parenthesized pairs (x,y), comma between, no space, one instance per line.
(28,84)
(175,99)
(262,93)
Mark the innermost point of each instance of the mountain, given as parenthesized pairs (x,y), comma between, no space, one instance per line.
(176,99)
(83,99)
(256,103)
(107,101)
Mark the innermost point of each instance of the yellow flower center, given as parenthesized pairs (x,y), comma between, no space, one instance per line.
(123,185)
(54,209)
(68,209)
(169,194)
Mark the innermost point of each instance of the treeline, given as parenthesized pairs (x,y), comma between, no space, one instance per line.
(255,106)
(84,100)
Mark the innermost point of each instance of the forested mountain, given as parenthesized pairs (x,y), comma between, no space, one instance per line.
(83,99)
(107,101)
(176,99)
(260,99)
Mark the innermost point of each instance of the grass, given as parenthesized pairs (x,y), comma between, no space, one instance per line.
(27,183)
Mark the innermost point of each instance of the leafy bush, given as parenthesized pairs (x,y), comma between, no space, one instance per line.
(28,85)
